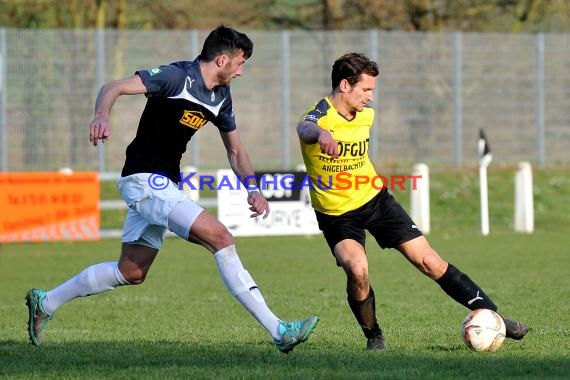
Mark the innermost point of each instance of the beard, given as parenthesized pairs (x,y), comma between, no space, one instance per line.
(225,76)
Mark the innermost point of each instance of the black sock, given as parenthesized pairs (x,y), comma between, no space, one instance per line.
(365,313)
(462,289)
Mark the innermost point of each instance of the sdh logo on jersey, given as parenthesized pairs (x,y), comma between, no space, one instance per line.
(193,119)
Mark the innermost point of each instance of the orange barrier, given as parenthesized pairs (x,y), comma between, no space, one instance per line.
(49,206)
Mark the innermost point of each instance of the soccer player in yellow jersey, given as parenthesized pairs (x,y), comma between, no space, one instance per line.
(348,198)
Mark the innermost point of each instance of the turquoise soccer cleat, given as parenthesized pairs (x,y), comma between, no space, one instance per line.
(293,333)
(37,317)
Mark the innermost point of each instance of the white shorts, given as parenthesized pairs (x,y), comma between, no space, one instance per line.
(155,204)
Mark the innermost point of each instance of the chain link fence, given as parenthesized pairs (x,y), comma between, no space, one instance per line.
(436,91)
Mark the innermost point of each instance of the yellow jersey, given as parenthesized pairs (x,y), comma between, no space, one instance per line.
(348,182)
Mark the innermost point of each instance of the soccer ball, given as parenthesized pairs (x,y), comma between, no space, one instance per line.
(483,330)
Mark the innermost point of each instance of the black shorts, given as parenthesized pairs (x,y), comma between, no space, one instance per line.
(382,216)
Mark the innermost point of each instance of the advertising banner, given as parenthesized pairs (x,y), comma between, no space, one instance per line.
(49,206)
(291,211)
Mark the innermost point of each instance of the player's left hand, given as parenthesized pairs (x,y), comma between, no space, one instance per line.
(258,204)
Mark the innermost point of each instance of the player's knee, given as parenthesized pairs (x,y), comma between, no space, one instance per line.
(227,238)
(219,238)
(223,238)
(433,266)
(134,277)
(214,236)
(357,271)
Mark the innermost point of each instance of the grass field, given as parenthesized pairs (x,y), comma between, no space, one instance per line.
(182,323)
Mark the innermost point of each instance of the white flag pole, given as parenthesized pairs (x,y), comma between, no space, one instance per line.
(485,158)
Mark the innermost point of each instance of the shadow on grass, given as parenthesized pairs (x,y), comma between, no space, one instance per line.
(171,359)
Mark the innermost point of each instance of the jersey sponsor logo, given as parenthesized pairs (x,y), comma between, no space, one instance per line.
(193,119)
(154,71)
(343,168)
(356,149)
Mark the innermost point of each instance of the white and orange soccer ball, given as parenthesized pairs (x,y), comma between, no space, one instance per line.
(483,330)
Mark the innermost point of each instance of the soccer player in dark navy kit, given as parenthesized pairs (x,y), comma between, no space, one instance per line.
(334,135)
(183,97)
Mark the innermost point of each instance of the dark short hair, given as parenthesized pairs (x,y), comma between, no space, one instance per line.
(350,66)
(225,40)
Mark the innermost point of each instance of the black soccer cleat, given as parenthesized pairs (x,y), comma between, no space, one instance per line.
(376,343)
(515,330)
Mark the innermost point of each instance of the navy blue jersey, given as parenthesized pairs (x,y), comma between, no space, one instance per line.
(178,105)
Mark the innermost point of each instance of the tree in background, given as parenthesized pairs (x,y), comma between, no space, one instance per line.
(505,16)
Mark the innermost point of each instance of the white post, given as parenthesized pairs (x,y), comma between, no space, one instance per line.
(484,200)
(192,191)
(524,203)
(65,171)
(419,197)
(3,104)
(485,158)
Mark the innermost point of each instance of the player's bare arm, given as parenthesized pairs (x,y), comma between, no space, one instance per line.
(311,133)
(99,128)
(242,167)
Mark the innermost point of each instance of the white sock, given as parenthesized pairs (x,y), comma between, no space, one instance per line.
(241,285)
(96,279)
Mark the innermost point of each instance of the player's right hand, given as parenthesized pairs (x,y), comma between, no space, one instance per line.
(99,130)
(328,144)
